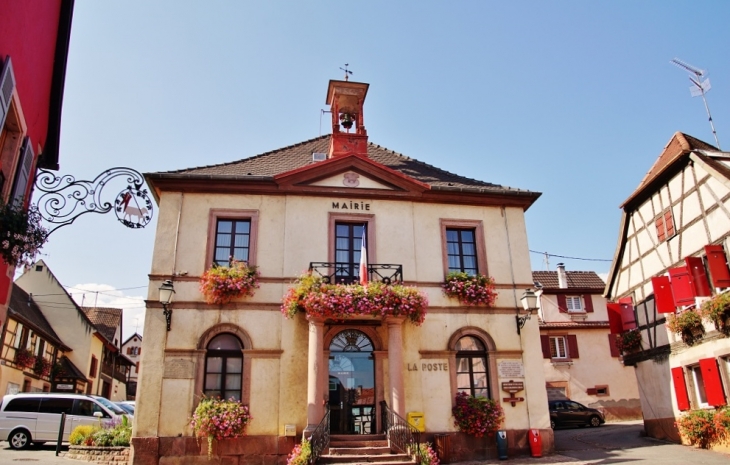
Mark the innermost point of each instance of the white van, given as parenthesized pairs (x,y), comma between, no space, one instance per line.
(36,417)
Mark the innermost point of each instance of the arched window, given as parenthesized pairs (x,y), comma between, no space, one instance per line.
(224,367)
(471,367)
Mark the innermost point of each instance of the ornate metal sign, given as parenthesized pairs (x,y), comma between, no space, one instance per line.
(64,199)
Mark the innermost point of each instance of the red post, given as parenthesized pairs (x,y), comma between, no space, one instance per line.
(535,443)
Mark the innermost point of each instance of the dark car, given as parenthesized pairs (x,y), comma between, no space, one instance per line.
(570,413)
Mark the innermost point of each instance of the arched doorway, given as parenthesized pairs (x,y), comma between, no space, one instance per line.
(352,383)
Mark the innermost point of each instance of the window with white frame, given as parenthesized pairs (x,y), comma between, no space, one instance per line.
(574,303)
(698,383)
(558,347)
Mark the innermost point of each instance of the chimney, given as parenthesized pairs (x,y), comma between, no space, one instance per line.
(562,277)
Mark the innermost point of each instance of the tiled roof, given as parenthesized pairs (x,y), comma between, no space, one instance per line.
(106,320)
(576,279)
(25,309)
(295,156)
(680,144)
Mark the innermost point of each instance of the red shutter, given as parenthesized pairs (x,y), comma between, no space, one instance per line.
(612,345)
(680,389)
(545,343)
(572,346)
(614,318)
(669,222)
(591,391)
(628,319)
(129,350)
(699,277)
(562,304)
(588,302)
(682,286)
(713,384)
(661,235)
(717,262)
(139,351)
(663,294)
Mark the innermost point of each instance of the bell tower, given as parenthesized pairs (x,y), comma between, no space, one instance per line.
(346,100)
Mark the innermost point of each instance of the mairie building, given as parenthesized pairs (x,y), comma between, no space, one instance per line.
(307,208)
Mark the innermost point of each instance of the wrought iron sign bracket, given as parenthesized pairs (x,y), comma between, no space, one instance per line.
(64,198)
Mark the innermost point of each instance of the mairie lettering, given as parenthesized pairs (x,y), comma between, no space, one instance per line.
(350,205)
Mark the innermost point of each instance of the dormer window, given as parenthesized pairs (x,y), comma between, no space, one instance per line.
(574,303)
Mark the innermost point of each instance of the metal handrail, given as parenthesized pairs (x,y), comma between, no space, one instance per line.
(343,273)
(401,434)
(320,438)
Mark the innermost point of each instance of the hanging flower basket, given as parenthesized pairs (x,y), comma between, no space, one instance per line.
(24,359)
(216,419)
(341,301)
(21,234)
(42,367)
(687,324)
(717,310)
(470,289)
(629,341)
(221,284)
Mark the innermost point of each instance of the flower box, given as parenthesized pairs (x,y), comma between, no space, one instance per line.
(688,325)
(717,310)
(470,289)
(24,359)
(221,284)
(477,416)
(216,419)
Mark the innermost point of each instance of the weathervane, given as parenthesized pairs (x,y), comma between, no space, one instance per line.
(698,88)
(347,72)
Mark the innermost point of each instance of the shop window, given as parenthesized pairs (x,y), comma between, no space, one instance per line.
(232,235)
(348,247)
(665,225)
(471,367)
(463,246)
(224,367)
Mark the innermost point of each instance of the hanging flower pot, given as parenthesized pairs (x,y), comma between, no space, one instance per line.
(687,324)
(717,310)
(21,234)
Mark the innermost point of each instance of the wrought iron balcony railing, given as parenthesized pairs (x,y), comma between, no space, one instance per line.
(348,273)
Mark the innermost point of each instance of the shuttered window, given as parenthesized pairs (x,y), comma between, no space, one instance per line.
(699,276)
(558,347)
(23,173)
(712,382)
(682,286)
(545,345)
(717,262)
(562,303)
(665,226)
(663,294)
(588,302)
(7,85)
(680,389)
(628,318)
(574,303)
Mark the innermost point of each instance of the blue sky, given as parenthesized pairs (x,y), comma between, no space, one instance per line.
(572,99)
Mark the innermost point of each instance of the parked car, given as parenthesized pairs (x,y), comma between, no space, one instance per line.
(127,407)
(570,413)
(36,417)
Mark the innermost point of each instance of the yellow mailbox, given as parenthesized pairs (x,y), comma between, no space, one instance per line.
(416,420)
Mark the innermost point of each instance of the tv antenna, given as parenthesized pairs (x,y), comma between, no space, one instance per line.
(698,88)
(347,71)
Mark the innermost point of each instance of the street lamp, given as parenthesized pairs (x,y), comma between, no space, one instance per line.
(167,290)
(529,304)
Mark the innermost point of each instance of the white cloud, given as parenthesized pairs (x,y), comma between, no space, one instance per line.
(104,295)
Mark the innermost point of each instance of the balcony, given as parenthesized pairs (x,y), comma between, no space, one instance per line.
(117,372)
(348,273)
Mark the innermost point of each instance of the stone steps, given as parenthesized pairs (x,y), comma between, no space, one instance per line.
(365,449)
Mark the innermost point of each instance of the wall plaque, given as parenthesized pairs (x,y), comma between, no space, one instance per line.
(510,369)
(177,368)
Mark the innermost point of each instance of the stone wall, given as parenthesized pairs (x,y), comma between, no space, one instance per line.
(100,455)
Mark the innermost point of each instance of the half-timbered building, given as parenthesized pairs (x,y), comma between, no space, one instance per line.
(671,257)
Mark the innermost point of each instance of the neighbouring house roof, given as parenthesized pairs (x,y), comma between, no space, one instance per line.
(269,164)
(575,279)
(679,145)
(105,319)
(22,308)
(132,337)
(70,370)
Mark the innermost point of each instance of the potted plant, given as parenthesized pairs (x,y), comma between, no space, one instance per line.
(629,341)
(24,359)
(301,454)
(312,296)
(470,289)
(698,427)
(216,419)
(21,234)
(717,310)
(477,415)
(221,284)
(687,324)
